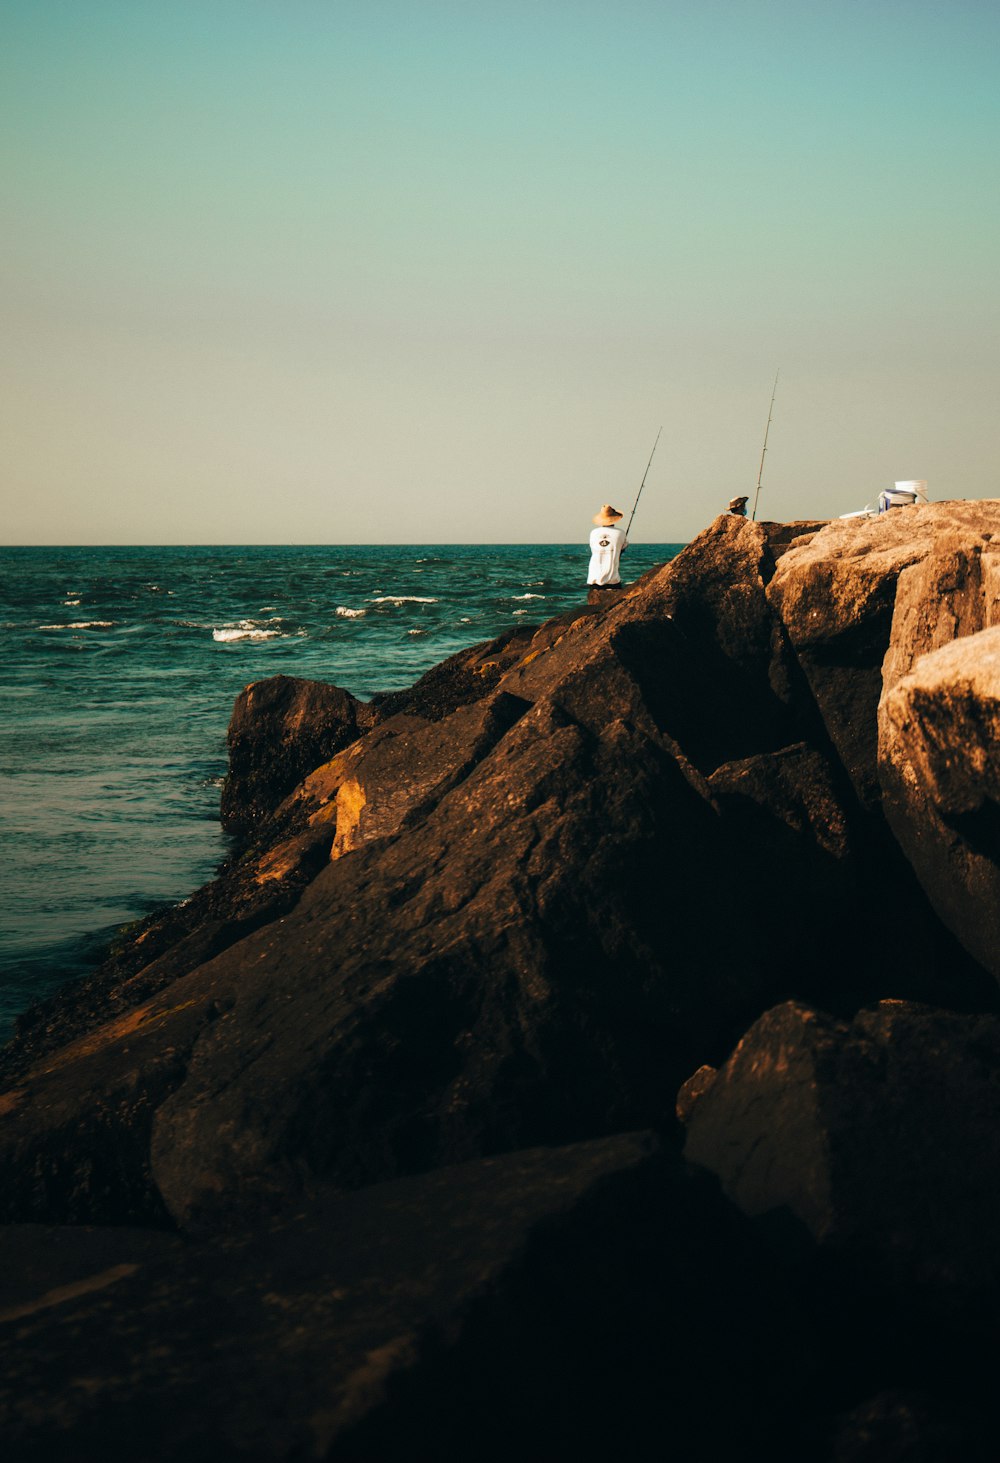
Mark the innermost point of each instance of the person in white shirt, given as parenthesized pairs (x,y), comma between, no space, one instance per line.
(606,544)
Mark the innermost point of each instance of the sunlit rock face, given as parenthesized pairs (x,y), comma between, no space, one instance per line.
(939,765)
(863,598)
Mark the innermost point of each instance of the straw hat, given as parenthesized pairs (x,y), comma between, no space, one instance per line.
(607,516)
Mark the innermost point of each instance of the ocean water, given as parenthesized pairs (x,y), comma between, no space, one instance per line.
(118,671)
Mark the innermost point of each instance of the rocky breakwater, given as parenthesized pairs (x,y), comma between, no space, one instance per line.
(369,1150)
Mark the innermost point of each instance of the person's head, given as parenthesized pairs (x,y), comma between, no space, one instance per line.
(607,516)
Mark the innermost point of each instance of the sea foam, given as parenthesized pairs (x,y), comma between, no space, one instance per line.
(82,625)
(402,599)
(249,630)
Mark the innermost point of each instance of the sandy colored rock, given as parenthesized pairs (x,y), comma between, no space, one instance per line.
(836,597)
(939,599)
(939,754)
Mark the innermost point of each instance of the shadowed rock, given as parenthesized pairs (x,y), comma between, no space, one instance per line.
(882,1136)
(281,729)
(575,1297)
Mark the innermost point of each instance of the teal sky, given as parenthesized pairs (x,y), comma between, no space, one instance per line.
(289,271)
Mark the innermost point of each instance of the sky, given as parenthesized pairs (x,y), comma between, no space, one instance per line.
(303,271)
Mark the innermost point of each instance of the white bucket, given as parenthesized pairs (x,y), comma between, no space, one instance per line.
(916,486)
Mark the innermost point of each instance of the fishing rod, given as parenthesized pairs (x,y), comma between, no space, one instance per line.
(643,483)
(760,472)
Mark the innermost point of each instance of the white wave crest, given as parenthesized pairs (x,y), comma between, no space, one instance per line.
(403,599)
(269,629)
(229,633)
(82,625)
(347,614)
(71,601)
(527,596)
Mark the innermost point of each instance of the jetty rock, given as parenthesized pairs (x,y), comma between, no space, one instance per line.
(520,909)
(466,956)
(281,729)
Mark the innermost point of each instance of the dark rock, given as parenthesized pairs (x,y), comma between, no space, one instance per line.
(912,1427)
(280,729)
(398,771)
(881,1136)
(868,1152)
(482,981)
(470,675)
(76,1132)
(784,536)
(255,889)
(575,1301)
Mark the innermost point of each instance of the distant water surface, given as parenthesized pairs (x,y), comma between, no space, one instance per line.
(118,671)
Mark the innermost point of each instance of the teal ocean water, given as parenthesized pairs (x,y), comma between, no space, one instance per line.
(118,671)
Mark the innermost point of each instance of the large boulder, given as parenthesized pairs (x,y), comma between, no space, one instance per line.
(866,1152)
(836,595)
(589,1300)
(280,729)
(939,764)
(881,1136)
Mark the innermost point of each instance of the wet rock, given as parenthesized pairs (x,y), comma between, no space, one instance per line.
(880,1135)
(939,764)
(280,729)
(584,1298)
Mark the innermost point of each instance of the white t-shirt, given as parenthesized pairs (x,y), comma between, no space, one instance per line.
(606,545)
